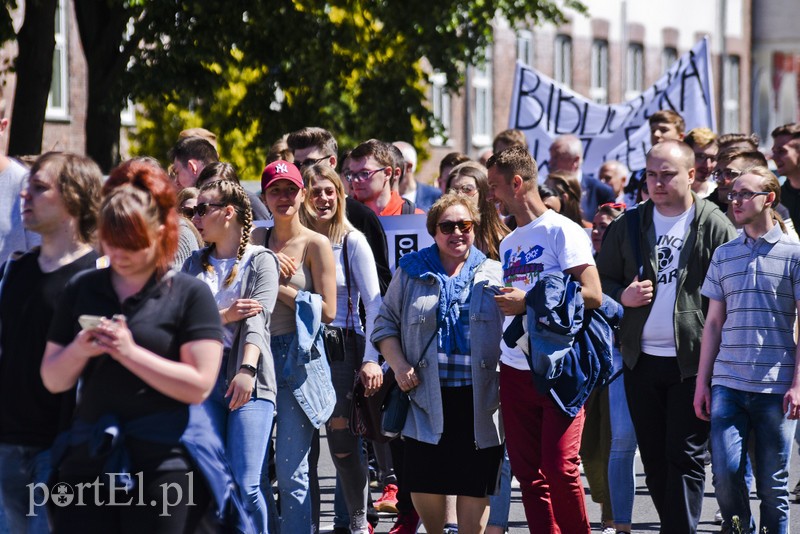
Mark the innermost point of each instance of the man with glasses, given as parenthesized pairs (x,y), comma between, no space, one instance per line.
(370,176)
(656,274)
(746,381)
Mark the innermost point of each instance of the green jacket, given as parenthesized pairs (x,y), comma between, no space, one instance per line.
(617,266)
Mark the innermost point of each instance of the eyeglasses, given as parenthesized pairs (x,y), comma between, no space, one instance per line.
(466,189)
(741,196)
(614,206)
(308,162)
(727,174)
(361,176)
(200,210)
(448,227)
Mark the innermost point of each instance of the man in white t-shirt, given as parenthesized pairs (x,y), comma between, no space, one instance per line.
(542,442)
(675,234)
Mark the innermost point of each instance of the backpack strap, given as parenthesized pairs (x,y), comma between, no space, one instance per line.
(346,262)
(408,207)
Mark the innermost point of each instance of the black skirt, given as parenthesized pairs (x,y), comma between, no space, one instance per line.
(453,466)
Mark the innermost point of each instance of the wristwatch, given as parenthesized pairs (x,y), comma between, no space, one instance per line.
(249,368)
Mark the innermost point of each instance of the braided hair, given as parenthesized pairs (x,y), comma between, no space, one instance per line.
(231,194)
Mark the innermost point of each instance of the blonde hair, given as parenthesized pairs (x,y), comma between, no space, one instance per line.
(770,184)
(340,226)
(231,194)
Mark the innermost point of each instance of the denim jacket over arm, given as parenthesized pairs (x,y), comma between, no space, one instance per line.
(260,282)
(409,313)
(307,370)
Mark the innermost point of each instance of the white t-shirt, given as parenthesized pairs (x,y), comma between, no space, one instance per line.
(551,243)
(658,335)
(225,296)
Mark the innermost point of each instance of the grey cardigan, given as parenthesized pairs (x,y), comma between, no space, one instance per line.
(408,312)
(260,282)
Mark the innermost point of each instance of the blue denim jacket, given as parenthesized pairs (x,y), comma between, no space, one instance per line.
(307,369)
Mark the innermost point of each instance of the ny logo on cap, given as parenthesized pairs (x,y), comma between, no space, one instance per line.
(281,168)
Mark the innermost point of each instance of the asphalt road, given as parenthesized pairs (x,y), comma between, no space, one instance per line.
(645,519)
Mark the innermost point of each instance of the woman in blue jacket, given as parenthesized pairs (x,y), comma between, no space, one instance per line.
(437,298)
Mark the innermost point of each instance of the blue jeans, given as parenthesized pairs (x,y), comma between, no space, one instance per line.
(621,484)
(292,444)
(500,503)
(734,415)
(245,432)
(20,466)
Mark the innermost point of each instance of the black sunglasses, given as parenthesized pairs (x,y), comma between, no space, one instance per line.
(308,162)
(200,210)
(448,227)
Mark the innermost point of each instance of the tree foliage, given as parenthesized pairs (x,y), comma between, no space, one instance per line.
(251,70)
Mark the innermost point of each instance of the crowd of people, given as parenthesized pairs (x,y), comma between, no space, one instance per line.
(172,344)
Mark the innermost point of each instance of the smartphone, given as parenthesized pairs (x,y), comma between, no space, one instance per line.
(495,290)
(88,322)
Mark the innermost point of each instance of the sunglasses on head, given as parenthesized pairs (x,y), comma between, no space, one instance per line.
(448,227)
(614,206)
(200,210)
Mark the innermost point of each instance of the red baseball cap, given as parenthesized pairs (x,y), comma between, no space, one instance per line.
(281,170)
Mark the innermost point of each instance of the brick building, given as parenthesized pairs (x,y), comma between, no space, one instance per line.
(611,54)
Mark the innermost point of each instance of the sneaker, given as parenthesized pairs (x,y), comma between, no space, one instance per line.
(718,517)
(609,530)
(450,528)
(407,523)
(388,501)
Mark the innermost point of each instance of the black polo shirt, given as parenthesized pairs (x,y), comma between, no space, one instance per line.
(162,316)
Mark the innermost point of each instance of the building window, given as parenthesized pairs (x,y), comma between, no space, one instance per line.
(635,71)
(482,112)
(599,89)
(730,94)
(58,99)
(525,47)
(440,102)
(562,64)
(668,57)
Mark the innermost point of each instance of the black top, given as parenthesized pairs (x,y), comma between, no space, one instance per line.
(162,316)
(790,198)
(365,220)
(29,414)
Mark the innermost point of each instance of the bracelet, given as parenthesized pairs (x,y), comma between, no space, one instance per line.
(249,368)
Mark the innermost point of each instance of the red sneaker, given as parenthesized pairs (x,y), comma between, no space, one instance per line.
(407,523)
(388,501)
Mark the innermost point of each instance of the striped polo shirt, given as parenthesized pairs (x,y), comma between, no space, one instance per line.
(759,282)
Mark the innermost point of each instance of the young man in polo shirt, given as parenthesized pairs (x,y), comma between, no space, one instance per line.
(676,233)
(747,380)
(542,442)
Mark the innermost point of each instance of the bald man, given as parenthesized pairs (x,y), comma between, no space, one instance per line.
(566,155)
(664,316)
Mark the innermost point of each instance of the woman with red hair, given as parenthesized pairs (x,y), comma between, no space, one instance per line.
(146,344)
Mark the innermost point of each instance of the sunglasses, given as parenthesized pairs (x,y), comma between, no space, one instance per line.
(308,162)
(200,210)
(448,227)
(467,189)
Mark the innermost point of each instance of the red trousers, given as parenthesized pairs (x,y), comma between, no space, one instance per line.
(543,445)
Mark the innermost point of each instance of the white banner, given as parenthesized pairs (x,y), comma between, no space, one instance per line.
(544,109)
(404,234)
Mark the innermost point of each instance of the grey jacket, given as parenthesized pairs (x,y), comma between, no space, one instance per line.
(260,282)
(409,313)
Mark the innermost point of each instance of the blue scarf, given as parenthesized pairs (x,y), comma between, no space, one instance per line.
(426,264)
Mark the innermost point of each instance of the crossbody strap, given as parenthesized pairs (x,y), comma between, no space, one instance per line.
(346,262)
(632,218)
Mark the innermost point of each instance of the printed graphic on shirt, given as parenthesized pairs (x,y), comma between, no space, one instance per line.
(669,249)
(520,266)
